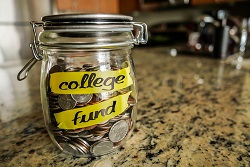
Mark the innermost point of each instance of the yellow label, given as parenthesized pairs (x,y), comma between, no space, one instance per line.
(92,114)
(88,82)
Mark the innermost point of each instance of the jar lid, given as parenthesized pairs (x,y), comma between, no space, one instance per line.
(87,22)
(84,31)
(87,18)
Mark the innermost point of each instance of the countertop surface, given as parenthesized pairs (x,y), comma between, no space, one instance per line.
(192,111)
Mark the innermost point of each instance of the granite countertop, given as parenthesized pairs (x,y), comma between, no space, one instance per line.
(193,111)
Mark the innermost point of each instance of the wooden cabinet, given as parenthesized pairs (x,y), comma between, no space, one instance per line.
(202,2)
(97,6)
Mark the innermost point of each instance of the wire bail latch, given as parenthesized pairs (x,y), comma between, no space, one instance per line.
(37,56)
(142,35)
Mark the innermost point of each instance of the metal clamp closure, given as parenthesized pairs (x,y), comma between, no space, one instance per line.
(142,34)
(37,56)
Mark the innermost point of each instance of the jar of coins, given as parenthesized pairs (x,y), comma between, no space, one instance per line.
(88,86)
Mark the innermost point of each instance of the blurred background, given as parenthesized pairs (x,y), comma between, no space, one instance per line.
(216,28)
(212,28)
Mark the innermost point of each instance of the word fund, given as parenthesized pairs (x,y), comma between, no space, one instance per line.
(80,117)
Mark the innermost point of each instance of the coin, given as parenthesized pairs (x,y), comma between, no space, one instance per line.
(53,95)
(71,135)
(54,107)
(115,119)
(90,127)
(124,90)
(102,147)
(82,142)
(126,116)
(66,102)
(131,101)
(69,148)
(82,145)
(82,98)
(103,123)
(130,123)
(74,131)
(118,131)
(106,95)
(95,138)
(53,102)
(58,133)
(62,138)
(98,132)
(72,69)
(98,139)
(90,67)
(114,68)
(54,69)
(125,64)
(85,134)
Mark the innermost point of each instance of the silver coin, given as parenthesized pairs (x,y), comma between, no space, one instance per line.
(82,98)
(82,142)
(124,90)
(58,133)
(54,107)
(81,148)
(115,119)
(53,102)
(85,134)
(106,95)
(71,135)
(118,131)
(66,102)
(69,148)
(102,147)
(72,69)
(95,138)
(62,138)
(74,131)
(126,116)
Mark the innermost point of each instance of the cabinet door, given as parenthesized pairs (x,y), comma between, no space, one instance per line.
(201,2)
(108,6)
(86,6)
(97,6)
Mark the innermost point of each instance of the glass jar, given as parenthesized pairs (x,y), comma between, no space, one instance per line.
(88,86)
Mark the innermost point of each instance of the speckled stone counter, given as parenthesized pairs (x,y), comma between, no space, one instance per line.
(192,111)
